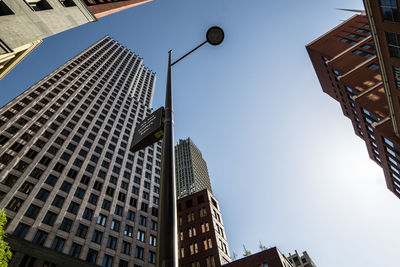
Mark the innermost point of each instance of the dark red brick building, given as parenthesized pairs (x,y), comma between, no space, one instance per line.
(348,62)
(201,233)
(101,8)
(268,258)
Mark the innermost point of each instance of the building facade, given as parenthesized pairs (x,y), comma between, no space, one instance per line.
(190,169)
(271,257)
(201,232)
(348,64)
(24,23)
(301,261)
(107,7)
(72,191)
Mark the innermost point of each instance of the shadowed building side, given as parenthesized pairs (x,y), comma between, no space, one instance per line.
(348,65)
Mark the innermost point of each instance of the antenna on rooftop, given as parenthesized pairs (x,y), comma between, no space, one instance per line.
(360,11)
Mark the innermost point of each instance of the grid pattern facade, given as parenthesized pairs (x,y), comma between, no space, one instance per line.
(69,182)
(201,233)
(345,60)
(191,169)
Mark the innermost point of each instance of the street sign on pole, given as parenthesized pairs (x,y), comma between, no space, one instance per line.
(149,131)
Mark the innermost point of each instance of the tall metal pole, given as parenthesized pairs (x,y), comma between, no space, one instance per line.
(167,236)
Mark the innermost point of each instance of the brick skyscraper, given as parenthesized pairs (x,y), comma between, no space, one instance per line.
(346,62)
(69,184)
(190,168)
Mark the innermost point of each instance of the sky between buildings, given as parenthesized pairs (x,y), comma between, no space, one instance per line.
(284,162)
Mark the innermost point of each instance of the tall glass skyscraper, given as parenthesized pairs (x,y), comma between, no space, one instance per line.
(73,193)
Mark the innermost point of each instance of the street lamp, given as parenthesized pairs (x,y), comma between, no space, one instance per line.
(167,237)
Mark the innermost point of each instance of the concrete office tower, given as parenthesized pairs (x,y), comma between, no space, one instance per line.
(201,233)
(346,63)
(104,8)
(301,261)
(72,191)
(24,23)
(190,169)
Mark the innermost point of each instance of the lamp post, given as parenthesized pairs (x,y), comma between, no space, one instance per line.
(167,237)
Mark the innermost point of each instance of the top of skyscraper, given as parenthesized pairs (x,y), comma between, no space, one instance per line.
(191,169)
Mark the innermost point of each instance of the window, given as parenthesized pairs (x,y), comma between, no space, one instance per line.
(106,204)
(192,231)
(42,194)
(126,247)
(193,248)
(75,250)
(396,71)
(362,53)
(91,256)
(355,36)
(142,220)
(389,10)
(374,67)
(58,244)
(141,236)
(82,230)
(49,218)
(190,217)
(128,230)
(348,41)
(73,207)
(115,225)
(4,9)
(139,253)
(66,225)
(51,180)
(153,225)
(40,237)
(107,261)
(88,214)
(65,186)
(101,220)
(32,211)
(135,190)
(21,230)
(393,40)
(153,240)
(205,227)
(97,236)
(210,262)
(58,201)
(152,257)
(97,185)
(207,243)
(79,193)
(93,199)
(111,242)
(144,207)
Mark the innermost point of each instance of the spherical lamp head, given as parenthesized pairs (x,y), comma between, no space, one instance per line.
(215,35)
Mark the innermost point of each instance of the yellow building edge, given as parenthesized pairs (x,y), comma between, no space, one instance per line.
(9,60)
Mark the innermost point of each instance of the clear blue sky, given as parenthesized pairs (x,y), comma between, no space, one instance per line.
(285,164)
